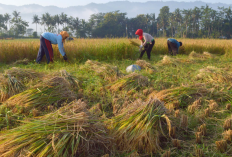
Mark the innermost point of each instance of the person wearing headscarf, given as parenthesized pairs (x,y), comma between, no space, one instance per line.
(173,46)
(147,41)
(46,41)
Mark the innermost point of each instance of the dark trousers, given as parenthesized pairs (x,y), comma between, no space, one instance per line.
(45,49)
(148,47)
(172,48)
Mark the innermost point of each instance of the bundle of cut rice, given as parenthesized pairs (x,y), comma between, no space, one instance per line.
(55,90)
(186,95)
(9,86)
(145,65)
(129,82)
(139,128)
(134,43)
(74,82)
(214,74)
(24,61)
(70,131)
(208,55)
(24,75)
(168,60)
(106,71)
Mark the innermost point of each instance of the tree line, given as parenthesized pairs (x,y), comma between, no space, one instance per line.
(203,22)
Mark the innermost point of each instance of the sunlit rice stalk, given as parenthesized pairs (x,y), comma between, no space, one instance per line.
(55,90)
(140,129)
(70,131)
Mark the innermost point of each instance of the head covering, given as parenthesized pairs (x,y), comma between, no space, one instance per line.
(139,32)
(64,35)
(180,43)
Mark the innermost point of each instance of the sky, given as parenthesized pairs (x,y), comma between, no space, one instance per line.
(67,3)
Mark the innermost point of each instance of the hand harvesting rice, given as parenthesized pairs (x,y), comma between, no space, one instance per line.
(147,41)
(173,46)
(46,41)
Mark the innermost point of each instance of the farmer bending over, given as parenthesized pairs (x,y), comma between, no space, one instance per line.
(173,46)
(46,41)
(147,41)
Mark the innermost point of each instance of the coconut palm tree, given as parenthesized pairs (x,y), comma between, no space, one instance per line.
(36,20)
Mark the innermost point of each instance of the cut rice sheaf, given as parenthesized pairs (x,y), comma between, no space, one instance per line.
(69,131)
(139,127)
(51,91)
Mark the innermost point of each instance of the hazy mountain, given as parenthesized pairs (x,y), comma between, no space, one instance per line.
(83,12)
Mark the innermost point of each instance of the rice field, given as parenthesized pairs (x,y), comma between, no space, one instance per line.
(176,106)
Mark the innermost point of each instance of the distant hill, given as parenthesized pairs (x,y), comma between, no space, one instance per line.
(83,12)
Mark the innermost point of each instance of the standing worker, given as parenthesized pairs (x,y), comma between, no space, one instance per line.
(173,46)
(147,41)
(46,41)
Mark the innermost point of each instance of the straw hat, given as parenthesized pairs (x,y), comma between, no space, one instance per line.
(64,35)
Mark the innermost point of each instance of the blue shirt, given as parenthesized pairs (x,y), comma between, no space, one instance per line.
(55,39)
(175,42)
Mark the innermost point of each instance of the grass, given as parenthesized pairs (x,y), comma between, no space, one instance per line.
(119,117)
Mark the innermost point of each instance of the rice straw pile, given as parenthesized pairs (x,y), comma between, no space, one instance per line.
(23,75)
(55,90)
(24,61)
(70,131)
(214,74)
(140,129)
(205,55)
(145,65)
(187,94)
(73,81)
(106,71)
(9,86)
(129,82)
(168,60)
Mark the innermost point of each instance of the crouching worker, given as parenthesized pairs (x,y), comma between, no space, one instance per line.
(147,41)
(46,41)
(173,46)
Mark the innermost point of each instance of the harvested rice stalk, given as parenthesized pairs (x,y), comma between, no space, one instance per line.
(198,137)
(214,74)
(196,105)
(140,129)
(227,124)
(55,90)
(176,143)
(70,131)
(134,43)
(145,65)
(9,86)
(106,71)
(221,146)
(208,55)
(228,135)
(129,82)
(24,61)
(207,112)
(199,152)
(202,129)
(194,55)
(177,113)
(172,132)
(184,121)
(213,105)
(168,60)
(23,75)
(74,82)
(167,153)
(228,106)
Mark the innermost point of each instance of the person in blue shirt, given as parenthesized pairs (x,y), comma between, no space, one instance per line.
(46,41)
(173,46)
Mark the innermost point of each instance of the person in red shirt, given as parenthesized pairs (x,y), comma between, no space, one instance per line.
(147,41)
